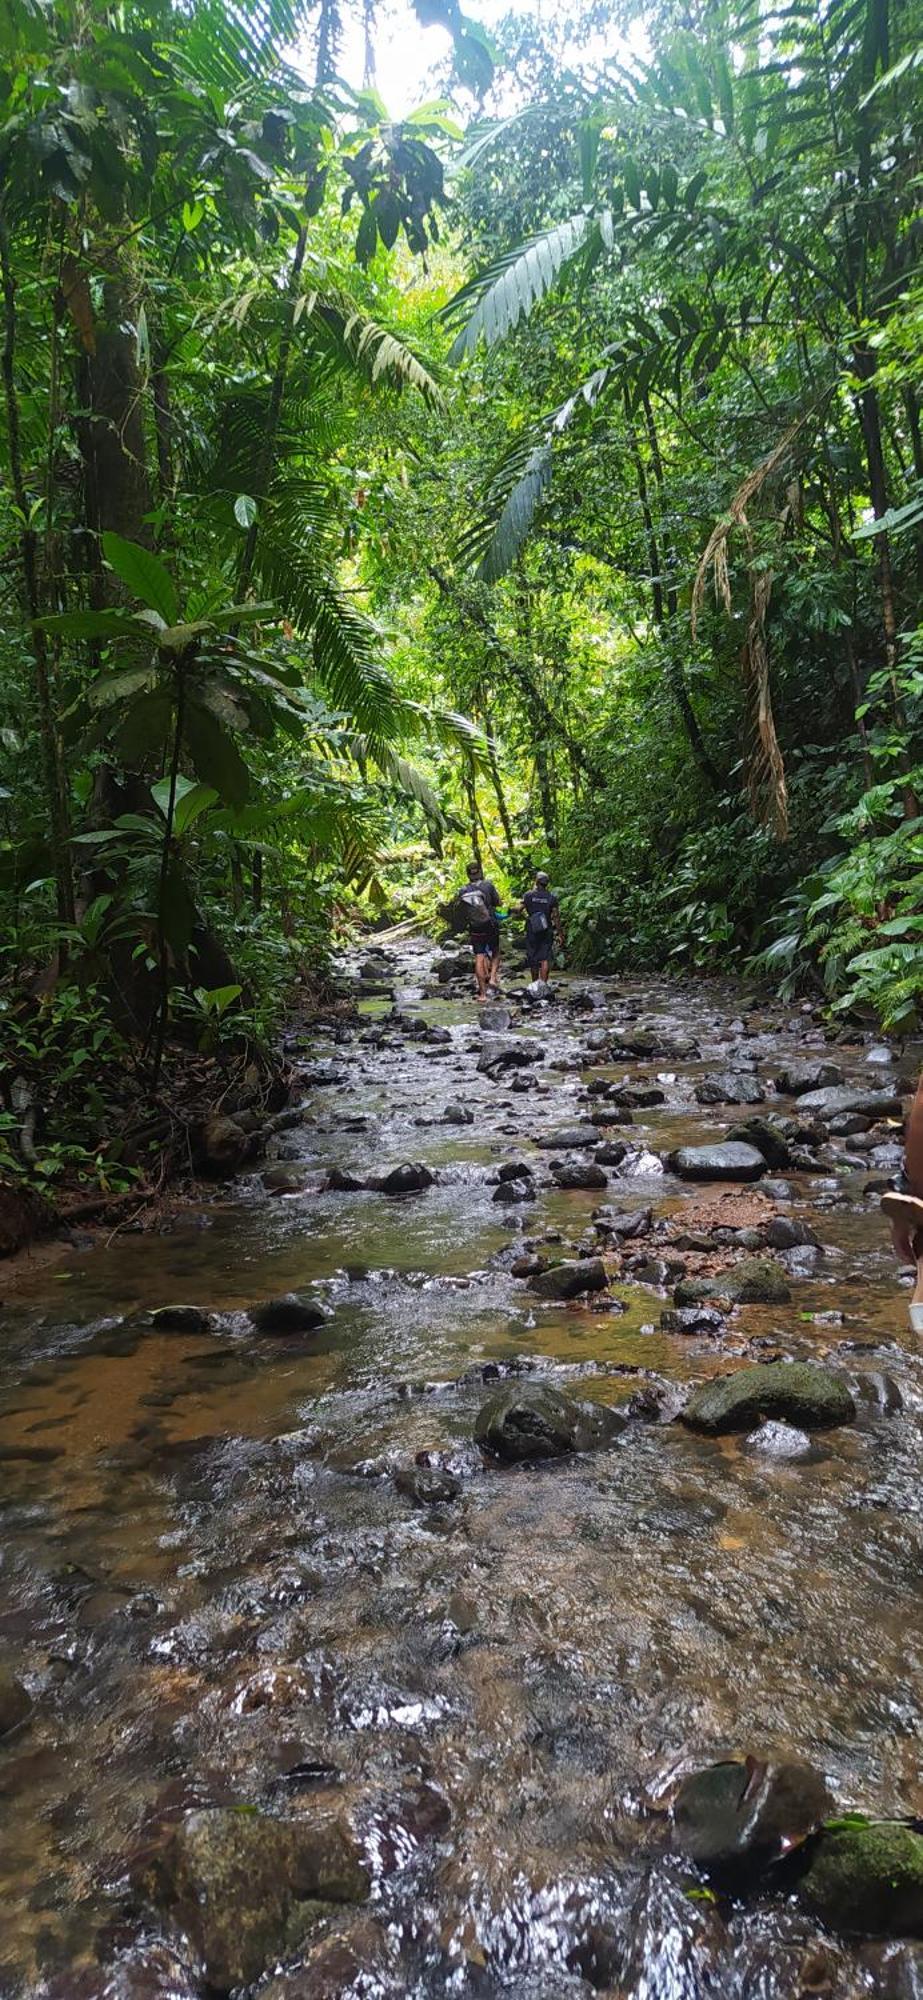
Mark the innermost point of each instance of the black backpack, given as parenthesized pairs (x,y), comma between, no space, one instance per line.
(539,925)
(473,907)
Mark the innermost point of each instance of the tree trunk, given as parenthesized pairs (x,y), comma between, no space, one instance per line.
(52,761)
(865,364)
(674,665)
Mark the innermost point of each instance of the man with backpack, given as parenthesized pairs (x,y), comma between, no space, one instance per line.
(477,905)
(543,926)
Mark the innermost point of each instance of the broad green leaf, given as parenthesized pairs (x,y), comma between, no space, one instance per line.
(245,510)
(215,756)
(91,625)
(143,574)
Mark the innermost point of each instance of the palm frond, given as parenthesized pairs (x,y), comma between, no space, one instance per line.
(507,291)
(345,646)
(521,483)
(354,337)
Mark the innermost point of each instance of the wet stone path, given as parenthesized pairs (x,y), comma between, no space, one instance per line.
(328,1696)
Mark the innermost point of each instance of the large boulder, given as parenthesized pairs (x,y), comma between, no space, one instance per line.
(293,1312)
(528,1422)
(561,1138)
(221,1147)
(735,1817)
(757,1281)
(411,1177)
(579,1174)
(798,1078)
(638,1096)
(181,1319)
(231,1881)
(730,1087)
(728,1161)
(800,1392)
(570,1279)
(834,1103)
(767,1135)
(507,1052)
(867,1879)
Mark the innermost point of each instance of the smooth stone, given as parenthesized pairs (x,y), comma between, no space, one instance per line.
(520,1423)
(411,1177)
(578,1174)
(427,1485)
(784,1233)
(725,1162)
(800,1392)
(570,1279)
(869,1103)
(736,1817)
(638,1096)
(757,1281)
(692,1320)
(181,1319)
(626,1223)
(285,1178)
(562,1138)
(457,1114)
(294,1312)
(867,1879)
(338,1181)
(494,1018)
(231,1881)
(767,1136)
(509,1192)
(729,1087)
(611,1154)
(798,1078)
(778,1440)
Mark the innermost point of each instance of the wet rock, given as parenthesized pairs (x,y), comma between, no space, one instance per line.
(611,1154)
(562,1138)
(730,1087)
(182,1319)
(458,1114)
(867,1879)
(522,1423)
(657,1401)
(800,1392)
(798,1078)
(15,1703)
(725,1162)
(338,1181)
(509,1192)
(495,1018)
(527,1265)
(514,1170)
(285,1178)
(879,1053)
(767,1135)
(869,1103)
(638,1096)
(737,1817)
(781,1441)
(784,1233)
(804,1261)
(625,1223)
(507,1052)
(221,1147)
(778,1190)
(411,1177)
(455,965)
(438,1038)
(757,1281)
(294,1312)
(578,1174)
(231,1882)
(427,1485)
(693,1320)
(345,1964)
(569,1280)
(848,1125)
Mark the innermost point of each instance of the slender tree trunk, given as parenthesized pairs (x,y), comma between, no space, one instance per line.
(163,950)
(545,792)
(469,783)
(864,363)
(256,881)
(499,793)
(675,673)
(53,767)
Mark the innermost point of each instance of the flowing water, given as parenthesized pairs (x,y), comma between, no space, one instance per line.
(215,1592)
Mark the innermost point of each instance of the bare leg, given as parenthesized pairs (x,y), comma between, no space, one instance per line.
(481,974)
(495,970)
(543,970)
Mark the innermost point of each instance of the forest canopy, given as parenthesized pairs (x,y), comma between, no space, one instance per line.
(539,476)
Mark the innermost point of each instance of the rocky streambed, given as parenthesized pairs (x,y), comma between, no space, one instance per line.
(479,1553)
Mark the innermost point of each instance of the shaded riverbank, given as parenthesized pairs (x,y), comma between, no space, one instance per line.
(218,1594)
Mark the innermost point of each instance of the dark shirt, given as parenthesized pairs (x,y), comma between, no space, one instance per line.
(487,890)
(540,899)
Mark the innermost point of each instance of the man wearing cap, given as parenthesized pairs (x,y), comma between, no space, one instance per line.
(543,925)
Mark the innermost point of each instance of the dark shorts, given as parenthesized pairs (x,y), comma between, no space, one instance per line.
(488,940)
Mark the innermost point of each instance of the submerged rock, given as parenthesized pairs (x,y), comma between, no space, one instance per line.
(519,1423)
(692,1319)
(507,1052)
(638,1096)
(730,1161)
(868,1879)
(757,1281)
(798,1078)
(800,1392)
(182,1319)
(736,1816)
(777,1440)
(568,1280)
(231,1882)
(512,1189)
(495,1018)
(562,1138)
(294,1312)
(427,1485)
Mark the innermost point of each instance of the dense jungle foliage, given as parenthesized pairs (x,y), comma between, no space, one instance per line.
(541,475)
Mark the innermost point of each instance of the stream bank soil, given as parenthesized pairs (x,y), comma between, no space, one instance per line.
(326,1699)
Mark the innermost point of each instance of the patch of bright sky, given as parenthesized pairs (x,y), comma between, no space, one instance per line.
(411,61)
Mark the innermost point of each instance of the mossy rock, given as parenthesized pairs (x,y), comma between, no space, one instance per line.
(868,1880)
(799,1392)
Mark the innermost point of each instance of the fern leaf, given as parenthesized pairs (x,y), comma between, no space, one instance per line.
(507,291)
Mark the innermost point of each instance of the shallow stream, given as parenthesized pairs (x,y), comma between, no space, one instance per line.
(215,1593)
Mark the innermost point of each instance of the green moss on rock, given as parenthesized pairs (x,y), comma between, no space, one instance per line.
(868,1879)
(799,1392)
